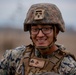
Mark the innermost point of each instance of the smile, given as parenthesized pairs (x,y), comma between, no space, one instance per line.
(41,40)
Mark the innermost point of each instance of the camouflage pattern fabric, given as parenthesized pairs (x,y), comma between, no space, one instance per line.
(11,58)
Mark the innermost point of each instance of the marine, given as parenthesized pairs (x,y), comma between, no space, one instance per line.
(43,57)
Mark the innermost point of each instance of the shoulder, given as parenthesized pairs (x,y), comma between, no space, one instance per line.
(12,56)
(69,61)
(68,64)
(16,52)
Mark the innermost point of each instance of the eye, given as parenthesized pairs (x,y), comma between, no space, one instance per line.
(34,29)
(46,28)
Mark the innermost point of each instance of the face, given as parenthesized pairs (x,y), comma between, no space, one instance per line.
(42,35)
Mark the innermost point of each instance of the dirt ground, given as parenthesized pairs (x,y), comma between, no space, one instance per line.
(11,39)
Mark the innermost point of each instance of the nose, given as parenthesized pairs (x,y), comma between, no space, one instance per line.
(40,34)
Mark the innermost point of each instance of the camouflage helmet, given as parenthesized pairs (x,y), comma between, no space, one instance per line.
(44,13)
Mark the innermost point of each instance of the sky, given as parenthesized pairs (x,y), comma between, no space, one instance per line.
(13,12)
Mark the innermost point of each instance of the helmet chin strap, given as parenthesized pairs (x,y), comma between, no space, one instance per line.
(44,48)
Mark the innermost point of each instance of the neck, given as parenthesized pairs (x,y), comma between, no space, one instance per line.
(49,50)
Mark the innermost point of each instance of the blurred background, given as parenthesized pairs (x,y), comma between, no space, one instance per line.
(13,13)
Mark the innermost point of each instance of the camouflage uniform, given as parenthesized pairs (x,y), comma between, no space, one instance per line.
(11,60)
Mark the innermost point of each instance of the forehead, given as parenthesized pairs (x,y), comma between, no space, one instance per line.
(42,25)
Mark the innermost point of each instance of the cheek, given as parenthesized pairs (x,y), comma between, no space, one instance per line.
(50,37)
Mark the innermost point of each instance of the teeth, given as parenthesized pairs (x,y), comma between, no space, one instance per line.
(41,40)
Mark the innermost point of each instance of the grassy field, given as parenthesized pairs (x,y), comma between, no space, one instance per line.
(12,38)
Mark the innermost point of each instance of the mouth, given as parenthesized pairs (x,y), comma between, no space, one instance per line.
(41,41)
